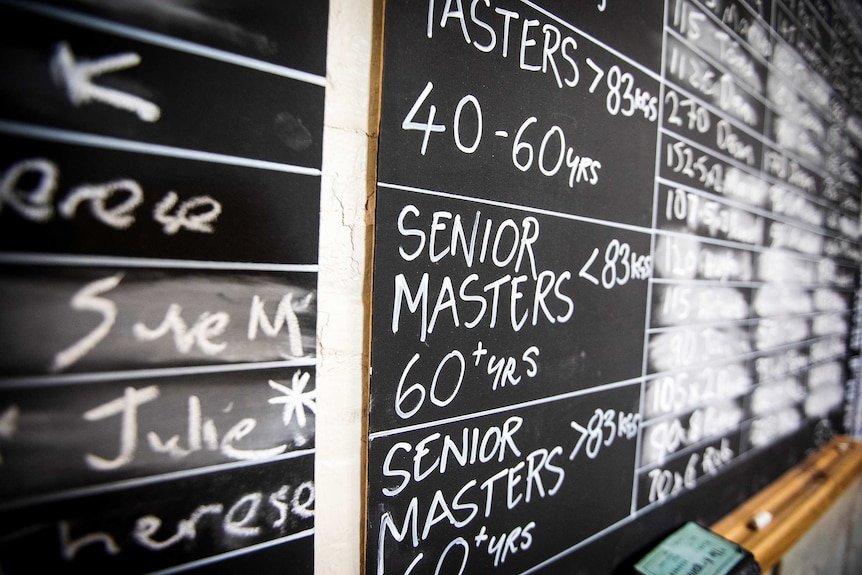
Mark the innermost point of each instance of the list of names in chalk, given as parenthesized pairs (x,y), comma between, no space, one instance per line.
(159,184)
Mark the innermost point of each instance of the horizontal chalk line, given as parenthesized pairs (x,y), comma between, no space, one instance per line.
(25,258)
(109,142)
(505,409)
(108,376)
(235,553)
(522,208)
(164,41)
(142,481)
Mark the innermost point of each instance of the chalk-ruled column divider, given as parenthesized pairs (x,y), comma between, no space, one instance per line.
(651,280)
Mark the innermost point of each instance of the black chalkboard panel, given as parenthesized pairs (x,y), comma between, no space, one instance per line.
(155,525)
(504,476)
(159,201)
(176,209)
(202,104)
(551,157)
(146,318)
(616,256)
(486,319)
(66,437)
(261,30)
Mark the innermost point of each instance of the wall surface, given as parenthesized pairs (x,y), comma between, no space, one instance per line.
(833,545)
(346,224)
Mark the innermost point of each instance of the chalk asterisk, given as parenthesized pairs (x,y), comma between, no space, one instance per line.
(295,399)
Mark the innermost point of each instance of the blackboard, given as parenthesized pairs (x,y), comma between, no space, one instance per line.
(160,170)
(615,272)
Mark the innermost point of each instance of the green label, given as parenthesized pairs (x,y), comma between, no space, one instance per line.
(691,550)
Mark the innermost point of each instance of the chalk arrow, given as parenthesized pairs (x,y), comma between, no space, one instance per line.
(78,75)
